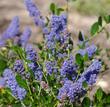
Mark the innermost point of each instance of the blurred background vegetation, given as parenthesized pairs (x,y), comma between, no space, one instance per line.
(92,7)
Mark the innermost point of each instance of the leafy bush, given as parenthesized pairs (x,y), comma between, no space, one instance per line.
(58,74)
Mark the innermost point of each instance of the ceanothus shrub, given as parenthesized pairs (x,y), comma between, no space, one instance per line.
(52,73)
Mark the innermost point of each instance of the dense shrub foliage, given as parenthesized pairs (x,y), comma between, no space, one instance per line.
(53,73)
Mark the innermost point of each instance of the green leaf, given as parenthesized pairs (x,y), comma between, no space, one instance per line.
(21,81)
(99,94)
(53,8)
(17,105)
(59,10)
(94,28)
(100,21)
(81,36)
(86,102)
(86,57)
(85,85)
(3,64)
(98,104)
(106,99)
(19,51)
(39,45)
(107,19)
(79,59)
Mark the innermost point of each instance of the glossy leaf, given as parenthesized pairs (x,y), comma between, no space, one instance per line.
(53,8)
(79,59)
(100,21)
(107,19)
(59,10)
(86,102)
(94,28)
(81,36)
(21,82)
(99,94)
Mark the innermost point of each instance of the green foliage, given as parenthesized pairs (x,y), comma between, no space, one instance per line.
(107,18)
(19,51)
(94,28)
(3,64)
(21,82)
(80,36)
(99,94)
(101,99)
(86,102)
(55,9)
(79,59)
(100,25)
(100,21)
(85,85)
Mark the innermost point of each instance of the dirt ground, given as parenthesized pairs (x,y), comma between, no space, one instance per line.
(77,22)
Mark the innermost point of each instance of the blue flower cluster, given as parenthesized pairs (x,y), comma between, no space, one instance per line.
(58,23)
(11,83)
(19,68)
(58,26)
(11,31)
(90,74)
(25,37)
(71,90)
(51,67)
(31,53)
(37,70)
(35,13)
(90,50)
(68,68)
(2,82)
(62,55)
(75,90)
(2,43)
(32,56)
